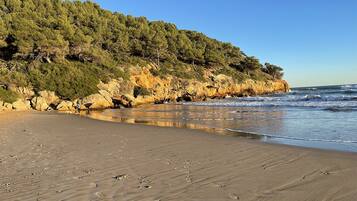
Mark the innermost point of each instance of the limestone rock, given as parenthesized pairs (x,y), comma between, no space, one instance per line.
(215,86)
(50,97)
(79,102)
(65,106)
(106,95)
(40,103)
(21,105)
(23,92)
(98,101)
(7,107)
(117,88)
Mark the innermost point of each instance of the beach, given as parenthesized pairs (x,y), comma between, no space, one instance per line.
(50,156)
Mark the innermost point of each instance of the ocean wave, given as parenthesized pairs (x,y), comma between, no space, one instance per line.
(324,92)
(290,137)
(324,105)
(348,86)
(350,91)
(311,98)
(341,109)
(297,98)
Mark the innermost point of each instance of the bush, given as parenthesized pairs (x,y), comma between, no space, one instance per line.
(236,75)
(68,81)
(8,96)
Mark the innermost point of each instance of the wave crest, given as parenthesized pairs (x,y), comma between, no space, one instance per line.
(290,137)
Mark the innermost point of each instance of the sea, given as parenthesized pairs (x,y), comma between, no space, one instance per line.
(317,117)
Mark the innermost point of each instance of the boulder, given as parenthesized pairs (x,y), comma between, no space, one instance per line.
(39,103)
(7,107)
(21,105)
(65,106)
(117,87)
(23,92)
(106,95)
(98,101)
(81,105)
(50,97)
(125,100)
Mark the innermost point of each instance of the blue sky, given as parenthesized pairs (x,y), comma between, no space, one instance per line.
(315,41)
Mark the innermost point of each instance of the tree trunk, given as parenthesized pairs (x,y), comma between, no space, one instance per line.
(158,57)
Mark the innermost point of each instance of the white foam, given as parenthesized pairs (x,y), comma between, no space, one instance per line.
(293,138)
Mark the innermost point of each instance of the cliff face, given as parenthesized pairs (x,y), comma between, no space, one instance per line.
(218,86)
(143,88)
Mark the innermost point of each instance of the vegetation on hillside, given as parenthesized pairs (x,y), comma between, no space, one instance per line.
(7,96)
(68,46)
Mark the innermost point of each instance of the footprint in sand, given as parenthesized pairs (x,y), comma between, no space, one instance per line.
(120,177)
(233,196)
(144,183)
(93,185)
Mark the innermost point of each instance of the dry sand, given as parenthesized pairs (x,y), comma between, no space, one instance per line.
(49,156)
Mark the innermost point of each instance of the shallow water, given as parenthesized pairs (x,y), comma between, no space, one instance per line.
(321,117)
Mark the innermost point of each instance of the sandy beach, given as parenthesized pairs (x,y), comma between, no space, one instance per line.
(50,156)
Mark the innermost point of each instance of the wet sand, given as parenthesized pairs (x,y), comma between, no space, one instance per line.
(50,156)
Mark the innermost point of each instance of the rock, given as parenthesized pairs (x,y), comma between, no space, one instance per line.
(50,97)
(7,107)
(65,106)
(81,105)
(125,100)
(23,92)
(43,102)
(106,95)
(98,101)
(117,88)
(215,86)
(21,105)
(39,103)
(120,92)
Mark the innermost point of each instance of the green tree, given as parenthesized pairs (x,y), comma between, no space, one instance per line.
(249,63)
(158,43)
(275,71)
(43,41)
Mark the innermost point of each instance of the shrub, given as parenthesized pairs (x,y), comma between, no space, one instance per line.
(8,96)
(68,81)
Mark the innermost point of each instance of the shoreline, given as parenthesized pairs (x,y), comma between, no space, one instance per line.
(241,135)
(132,116)
(50,156)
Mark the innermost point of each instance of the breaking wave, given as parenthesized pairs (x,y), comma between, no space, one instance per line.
(290,137)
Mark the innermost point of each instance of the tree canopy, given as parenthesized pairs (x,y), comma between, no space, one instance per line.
(55,33)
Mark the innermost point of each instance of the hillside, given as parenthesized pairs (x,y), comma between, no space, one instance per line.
(71,47)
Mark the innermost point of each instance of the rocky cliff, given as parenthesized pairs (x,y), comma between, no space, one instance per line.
(143,88)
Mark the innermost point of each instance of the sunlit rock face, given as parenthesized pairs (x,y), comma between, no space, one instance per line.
(218,86)
(143,88)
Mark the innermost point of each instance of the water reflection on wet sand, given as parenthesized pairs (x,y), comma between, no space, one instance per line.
(210,119)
